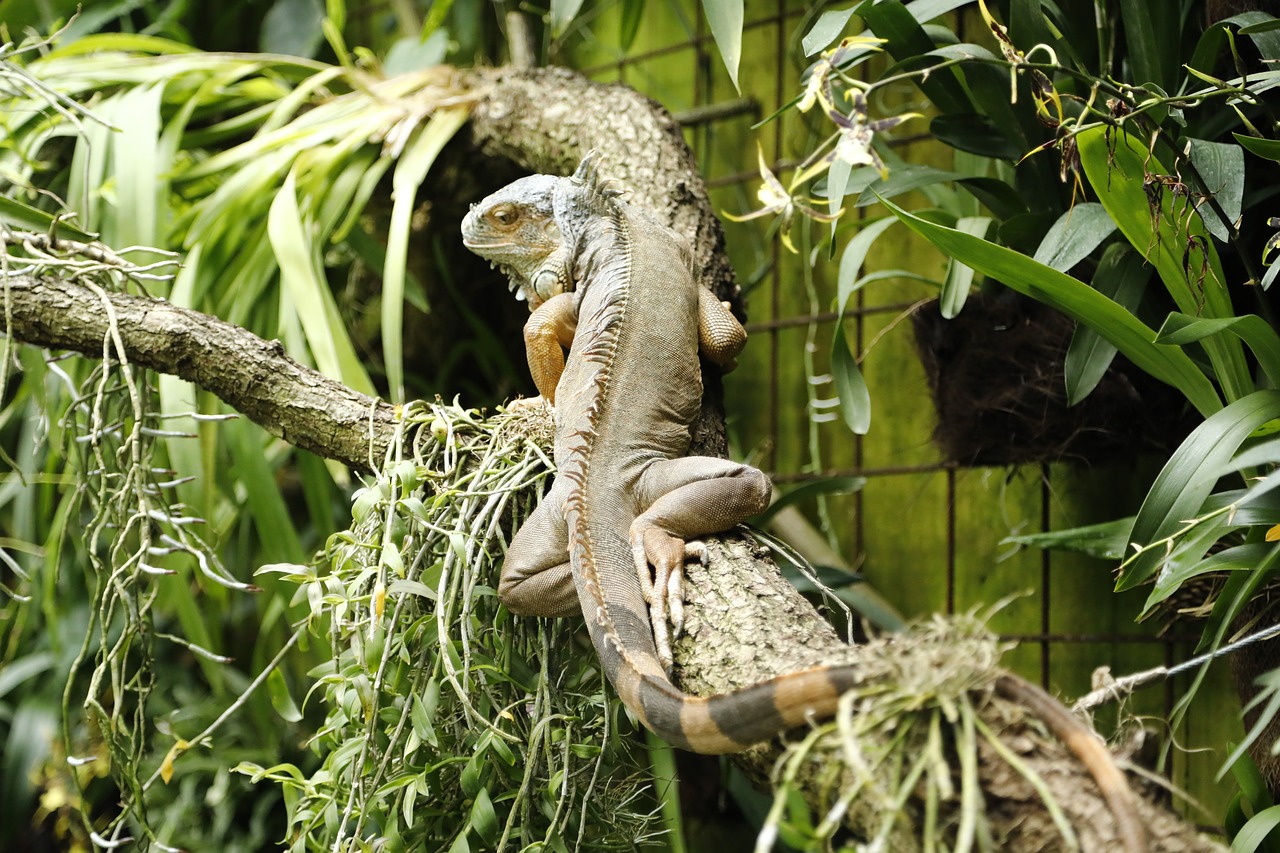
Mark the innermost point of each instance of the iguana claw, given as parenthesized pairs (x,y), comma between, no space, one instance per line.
(663,586)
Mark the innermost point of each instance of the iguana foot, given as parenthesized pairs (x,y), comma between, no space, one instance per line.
(663,586)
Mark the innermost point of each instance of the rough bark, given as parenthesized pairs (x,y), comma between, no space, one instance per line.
(255,377)
(745,622)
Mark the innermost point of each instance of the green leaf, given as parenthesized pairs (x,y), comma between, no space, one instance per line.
(1238,558)
(562,14)
(725,19)
(307,293)
(1257,334)
(412,53)
(855,399)
(1121,276)
(1173,239)
(24,217)
(1221,165)
(1262,833)
(483,819)
(855,255)
(1150,30)
(1106,541)
(905,38)
(977,134)
(1076,299)
(825,30)
(629,23)
(955,289)
(904,179)
(1252,785)
(293,28)
(1189,477)
(1266,148)
(1074,236)
(278,689)
(409,173)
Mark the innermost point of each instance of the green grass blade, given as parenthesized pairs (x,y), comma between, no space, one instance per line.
(309,293)
(408,176)
(1075,299)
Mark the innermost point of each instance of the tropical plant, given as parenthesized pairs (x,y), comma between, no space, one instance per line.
(1094,144)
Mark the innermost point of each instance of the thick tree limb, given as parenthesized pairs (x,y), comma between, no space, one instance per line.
(255,377)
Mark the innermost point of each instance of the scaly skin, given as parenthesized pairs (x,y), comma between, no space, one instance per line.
(626,498)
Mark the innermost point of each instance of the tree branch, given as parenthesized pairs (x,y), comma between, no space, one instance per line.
(255,377)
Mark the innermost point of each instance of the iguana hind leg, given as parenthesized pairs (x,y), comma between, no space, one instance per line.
(680,500)
(536,579)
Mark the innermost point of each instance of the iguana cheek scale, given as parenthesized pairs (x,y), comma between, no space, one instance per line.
(618,289)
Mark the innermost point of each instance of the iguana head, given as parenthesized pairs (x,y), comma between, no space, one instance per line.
(515,229)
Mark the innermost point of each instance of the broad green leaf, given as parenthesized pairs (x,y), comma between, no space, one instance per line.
(1172,238)
(1252,785)
(629,23)
(1189,477)
(855,399)
(1257,334)
(725,19)
(1121,276)
(484,820)
(955,289)
(977,134)
(826,29)
(1254,24)
(1241,557)
(1074,236)
(1221,165)
(412,53)
(405,180)
(1075,299)
(1265,34)
(24,217)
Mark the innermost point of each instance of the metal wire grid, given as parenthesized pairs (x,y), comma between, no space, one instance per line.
(1055,649)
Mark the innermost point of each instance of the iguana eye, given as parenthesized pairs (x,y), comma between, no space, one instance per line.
(505,214)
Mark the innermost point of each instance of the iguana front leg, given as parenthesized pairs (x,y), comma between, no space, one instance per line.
(682,499)
(547,334)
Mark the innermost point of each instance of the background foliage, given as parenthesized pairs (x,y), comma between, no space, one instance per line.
(1107,159)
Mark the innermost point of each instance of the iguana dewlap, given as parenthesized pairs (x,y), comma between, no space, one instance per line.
(618,289)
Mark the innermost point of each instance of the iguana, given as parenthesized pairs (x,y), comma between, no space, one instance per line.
(617,288)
